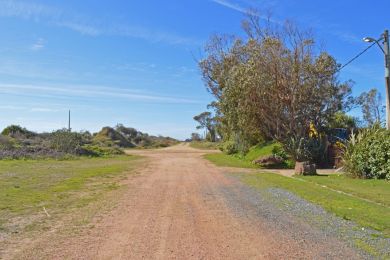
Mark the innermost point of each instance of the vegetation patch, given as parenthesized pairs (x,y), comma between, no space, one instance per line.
(367,154)
(205,145)
(28,188)
(255,152)
(368,207)
(225,160)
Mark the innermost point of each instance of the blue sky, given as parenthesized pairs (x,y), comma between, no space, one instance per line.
(133,62)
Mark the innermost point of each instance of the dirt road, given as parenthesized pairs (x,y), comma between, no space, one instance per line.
(178,208)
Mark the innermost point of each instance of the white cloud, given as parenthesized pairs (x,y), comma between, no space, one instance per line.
(86,25)
(43,109)
(27,10)
(90,92)
(231,5)
(11,107)
(38,45)
(81,28)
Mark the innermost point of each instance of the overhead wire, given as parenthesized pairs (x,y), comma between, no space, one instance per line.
(355,57)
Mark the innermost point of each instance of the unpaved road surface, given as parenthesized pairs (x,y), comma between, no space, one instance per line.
(178,208)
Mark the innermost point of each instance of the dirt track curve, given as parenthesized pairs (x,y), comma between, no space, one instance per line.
(178,209)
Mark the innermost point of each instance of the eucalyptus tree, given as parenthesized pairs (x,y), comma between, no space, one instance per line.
(274,82)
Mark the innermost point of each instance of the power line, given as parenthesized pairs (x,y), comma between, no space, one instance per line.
(354,58)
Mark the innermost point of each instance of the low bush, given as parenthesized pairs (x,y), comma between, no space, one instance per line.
(66,142)
(6,143)
(367,154)
(17,131)
(311,149)
(99,151)
(229,147)
(31,153)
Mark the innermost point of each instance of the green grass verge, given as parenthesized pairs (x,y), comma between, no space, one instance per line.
(224,160)
(357,209)
(26,186)
(260,150)
(244,161)
(205,145)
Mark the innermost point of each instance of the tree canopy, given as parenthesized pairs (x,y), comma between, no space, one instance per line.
(272,83)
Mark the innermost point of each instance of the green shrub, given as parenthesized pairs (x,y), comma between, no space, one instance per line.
(229,147)
(278,150)
(367,155)
(311,149)
(99,151)
(17,131)
(65,141)
(6,142)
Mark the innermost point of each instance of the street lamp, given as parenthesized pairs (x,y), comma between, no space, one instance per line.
(386,51)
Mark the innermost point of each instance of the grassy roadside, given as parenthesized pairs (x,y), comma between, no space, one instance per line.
(375,214)
(27,188)
(242,161)
(204,145)
(224,160)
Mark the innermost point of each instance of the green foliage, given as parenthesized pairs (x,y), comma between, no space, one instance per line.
(108,136)
(100,151)
(367,154)
(272,83)
(372,107)
(246,160)
(278,150)
(229,147)
(20,143)
(66,142)
(311,149)
(127,137)
(208,122)
(342,120)
(205,145)
(195,137)
(260,150)
(6,142)
(17,131)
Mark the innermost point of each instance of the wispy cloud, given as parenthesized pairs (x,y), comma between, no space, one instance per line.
(11,107)
(345,36)
(86,25)
(80,28)
(90,92)
(38,45)
(43,109)
(246,10)
(27,10)
(231,5)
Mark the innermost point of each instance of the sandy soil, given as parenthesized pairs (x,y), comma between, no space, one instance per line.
(175,210)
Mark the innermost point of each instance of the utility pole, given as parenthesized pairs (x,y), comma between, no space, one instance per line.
(69,122)
(386,51)
(387,76)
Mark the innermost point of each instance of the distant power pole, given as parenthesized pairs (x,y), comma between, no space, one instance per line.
(69,122)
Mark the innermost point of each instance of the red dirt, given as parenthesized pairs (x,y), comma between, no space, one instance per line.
(175,210)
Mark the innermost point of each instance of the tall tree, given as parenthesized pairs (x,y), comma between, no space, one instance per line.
(207,121)
(372,107)
(272,82)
